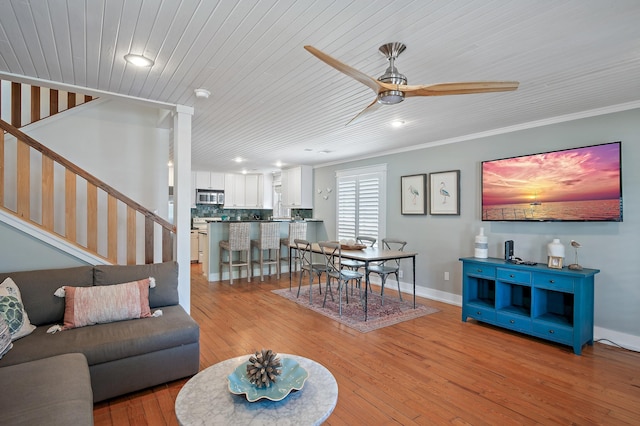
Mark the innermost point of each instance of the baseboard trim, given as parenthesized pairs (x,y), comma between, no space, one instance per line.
(616,338)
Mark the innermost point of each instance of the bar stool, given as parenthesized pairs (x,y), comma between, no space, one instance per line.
(269,241)
(297,231)
(238,241)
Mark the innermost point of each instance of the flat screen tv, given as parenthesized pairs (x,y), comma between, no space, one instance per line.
(578,185)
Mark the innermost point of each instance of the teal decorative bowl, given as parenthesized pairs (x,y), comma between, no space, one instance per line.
(292,378)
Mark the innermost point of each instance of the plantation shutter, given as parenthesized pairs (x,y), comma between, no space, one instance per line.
(347,212)
(360,203)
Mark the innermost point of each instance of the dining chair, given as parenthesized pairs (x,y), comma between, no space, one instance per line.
(332,252)
(269,244)
(240,242)
(357,264)
(297,231)
(305,258)
(388,267)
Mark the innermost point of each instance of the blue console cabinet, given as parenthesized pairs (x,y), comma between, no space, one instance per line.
(553,304)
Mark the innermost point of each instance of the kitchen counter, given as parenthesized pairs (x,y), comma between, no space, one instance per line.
(219,230)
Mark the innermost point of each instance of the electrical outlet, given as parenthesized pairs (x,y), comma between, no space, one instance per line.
(400,274)
(446,276)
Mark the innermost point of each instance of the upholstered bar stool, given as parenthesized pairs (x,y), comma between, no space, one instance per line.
(239,241)
(297,231)
(269,244)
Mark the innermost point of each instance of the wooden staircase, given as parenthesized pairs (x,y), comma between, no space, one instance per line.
(29,104)
(31,177)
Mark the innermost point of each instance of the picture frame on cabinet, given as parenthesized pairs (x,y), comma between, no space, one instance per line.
(555,262)
(444,193)
(413,194)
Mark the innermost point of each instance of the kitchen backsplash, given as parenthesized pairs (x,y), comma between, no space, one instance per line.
(204,210)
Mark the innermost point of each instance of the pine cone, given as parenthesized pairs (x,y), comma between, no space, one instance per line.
(263,368)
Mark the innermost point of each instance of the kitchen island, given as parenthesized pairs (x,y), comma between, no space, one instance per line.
(219,231)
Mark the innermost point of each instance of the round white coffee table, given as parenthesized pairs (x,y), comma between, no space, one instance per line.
(206,400)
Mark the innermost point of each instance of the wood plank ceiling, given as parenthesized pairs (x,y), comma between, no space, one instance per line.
(272,101)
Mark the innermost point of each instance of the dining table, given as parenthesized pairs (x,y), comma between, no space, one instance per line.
(367,256)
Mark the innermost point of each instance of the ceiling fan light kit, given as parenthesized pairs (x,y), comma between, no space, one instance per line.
(391,87)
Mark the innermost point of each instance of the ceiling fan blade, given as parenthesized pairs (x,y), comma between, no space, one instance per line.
(368,81)
(442,89)
(368,110)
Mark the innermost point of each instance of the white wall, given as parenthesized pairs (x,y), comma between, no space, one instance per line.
(441,240)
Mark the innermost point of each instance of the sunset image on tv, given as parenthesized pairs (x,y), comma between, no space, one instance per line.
(580,184)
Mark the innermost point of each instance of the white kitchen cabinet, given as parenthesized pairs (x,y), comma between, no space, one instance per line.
(252,191)
(209,180)
(248,191)
(297,187)
(234,187)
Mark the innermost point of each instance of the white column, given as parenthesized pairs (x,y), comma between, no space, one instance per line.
(182,200)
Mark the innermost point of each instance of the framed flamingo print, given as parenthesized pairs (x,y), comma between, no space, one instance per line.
(444,193)
(413,194)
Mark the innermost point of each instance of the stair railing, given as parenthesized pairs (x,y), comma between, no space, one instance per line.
(28,103)
(23,189)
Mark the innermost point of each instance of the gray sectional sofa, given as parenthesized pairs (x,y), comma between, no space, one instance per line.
(121,356)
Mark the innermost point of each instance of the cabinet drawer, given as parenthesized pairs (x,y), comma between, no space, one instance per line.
(481,313)
(513,276)
(514,322)
(480,271)
(554,282)
(550,331)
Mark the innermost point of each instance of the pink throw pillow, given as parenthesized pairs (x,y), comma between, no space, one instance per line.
(106,303)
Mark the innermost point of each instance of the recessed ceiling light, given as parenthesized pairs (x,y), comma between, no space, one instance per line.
(324,151)
(278,163)
(238,160)
(138,60)
(397,123)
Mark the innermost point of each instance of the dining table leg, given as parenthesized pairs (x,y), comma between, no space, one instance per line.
(366,287)
(290,252)
(414,282)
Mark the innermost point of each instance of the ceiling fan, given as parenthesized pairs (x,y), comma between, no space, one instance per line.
(391,87)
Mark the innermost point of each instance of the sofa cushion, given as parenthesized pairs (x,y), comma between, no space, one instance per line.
(5,337)
(37,288)
(53,391)
(106,303)
(12,310)
(108,342)
(165,292)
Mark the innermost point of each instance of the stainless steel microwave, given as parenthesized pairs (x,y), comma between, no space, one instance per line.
(207,196)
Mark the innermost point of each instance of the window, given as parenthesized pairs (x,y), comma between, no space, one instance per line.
(361,202)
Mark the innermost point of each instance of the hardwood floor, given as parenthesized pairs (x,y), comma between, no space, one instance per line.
(431,370)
